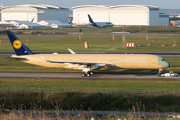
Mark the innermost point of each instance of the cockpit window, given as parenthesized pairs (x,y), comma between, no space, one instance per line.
(163,60)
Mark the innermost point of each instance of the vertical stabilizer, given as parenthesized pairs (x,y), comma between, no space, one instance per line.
(90,19)
(172,23)
(19,47)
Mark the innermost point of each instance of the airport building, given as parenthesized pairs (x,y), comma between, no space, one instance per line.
(0,11)
(35,13)
(24,24)
(54,24)
(120,15)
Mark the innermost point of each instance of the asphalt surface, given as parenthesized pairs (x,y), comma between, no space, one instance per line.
(96,76)
(90,31)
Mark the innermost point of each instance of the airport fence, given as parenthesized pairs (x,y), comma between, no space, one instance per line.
(93,90)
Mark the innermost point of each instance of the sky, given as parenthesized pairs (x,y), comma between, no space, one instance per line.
(162,4)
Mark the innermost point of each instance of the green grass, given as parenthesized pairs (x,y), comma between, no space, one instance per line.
(96,43)
(89,85)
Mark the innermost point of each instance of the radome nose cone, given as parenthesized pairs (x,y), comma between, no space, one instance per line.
(169,65)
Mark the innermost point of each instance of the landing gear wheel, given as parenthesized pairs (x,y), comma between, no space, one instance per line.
(83,75)
(88,74)
(91,72)
(158,75)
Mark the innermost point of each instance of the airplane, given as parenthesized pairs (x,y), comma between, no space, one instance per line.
(86,62)
(99,24)
(174,23)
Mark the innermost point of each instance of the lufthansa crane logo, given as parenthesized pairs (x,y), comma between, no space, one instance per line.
(17,44)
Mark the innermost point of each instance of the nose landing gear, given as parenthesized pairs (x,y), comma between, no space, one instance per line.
(159,72)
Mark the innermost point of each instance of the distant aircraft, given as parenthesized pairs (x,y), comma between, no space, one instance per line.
(99,24)
(86,62)
(174,23)
(7,26)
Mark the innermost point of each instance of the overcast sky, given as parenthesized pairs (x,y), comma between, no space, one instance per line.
(162,4)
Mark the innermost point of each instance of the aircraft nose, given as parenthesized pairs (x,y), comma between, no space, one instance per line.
(169,65)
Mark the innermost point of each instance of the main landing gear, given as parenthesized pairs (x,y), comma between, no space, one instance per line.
(88,74)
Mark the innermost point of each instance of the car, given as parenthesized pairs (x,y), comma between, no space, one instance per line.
(170,74)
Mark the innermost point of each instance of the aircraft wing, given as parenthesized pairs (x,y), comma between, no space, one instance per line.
(80,63)
(57,61)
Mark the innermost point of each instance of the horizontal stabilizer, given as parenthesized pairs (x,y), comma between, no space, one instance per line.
(72,52)
(19,58)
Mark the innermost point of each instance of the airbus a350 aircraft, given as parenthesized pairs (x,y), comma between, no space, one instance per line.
(99,24)
(86,62)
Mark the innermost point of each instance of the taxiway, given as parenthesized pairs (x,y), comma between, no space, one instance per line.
(96,76)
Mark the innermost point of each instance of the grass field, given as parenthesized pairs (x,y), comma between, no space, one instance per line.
(89,85)
(96,43)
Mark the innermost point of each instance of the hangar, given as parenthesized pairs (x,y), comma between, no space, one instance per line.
(35,13)
(120,14)
(24,24)
(54,24)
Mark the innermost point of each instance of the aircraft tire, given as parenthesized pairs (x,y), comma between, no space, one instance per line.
(83,75)
(92,73)
(88,74)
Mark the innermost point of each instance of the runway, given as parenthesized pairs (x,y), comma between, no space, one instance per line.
(96,76)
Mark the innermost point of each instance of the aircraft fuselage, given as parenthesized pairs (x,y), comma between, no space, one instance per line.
(97,61)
